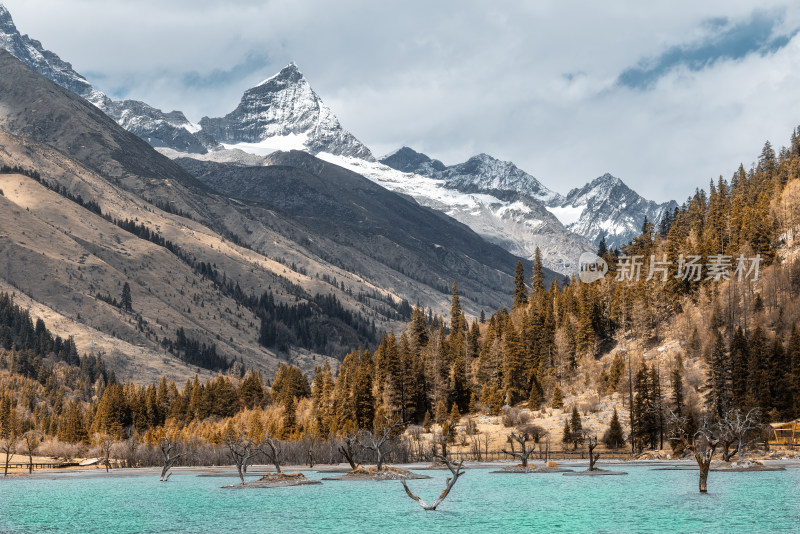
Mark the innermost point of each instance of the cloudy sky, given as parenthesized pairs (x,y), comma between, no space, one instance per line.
(665,95)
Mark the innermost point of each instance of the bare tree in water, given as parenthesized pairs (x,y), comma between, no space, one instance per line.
(105,441)
(273,449)
(521,436)
(348,448)
(31,441)
(242,449)
(169,458)
(591,442)
(736,428)
(702,444)
(455,470)
(377,439)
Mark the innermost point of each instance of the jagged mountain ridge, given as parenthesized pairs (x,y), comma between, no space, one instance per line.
(604,207)
(284,112)
(516,222)
(609,208)
(153,125)
(75,146)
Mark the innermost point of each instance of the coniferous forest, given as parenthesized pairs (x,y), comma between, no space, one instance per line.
(744,332)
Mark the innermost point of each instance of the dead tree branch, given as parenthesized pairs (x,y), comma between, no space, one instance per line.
(702,444)
(591,442)
(242,449)
(375,440)
(273,450)
(169,459)
(522,438)
(348,448)
(456,471)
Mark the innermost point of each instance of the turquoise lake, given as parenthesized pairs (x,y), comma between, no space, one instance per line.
(644,501)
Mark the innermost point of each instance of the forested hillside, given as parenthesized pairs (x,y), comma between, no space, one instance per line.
(735,323)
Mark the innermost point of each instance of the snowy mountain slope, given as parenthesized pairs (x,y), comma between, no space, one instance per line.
(171,130)
(284,113)
(495,198)
(485,174)
(607,207)
(46,63)
(603,207)
(153,125)
(517,223)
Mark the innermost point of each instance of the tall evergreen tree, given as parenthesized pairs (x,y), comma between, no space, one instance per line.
(127,301)
(718,384)
(520,291)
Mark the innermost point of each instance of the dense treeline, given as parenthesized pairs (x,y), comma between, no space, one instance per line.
(29,347)
(744,331)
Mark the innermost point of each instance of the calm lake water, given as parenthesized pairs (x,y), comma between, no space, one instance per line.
(644,501)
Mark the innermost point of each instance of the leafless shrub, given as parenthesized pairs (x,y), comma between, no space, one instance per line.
(591,405)
(515,417)
(60,450)
(471,427)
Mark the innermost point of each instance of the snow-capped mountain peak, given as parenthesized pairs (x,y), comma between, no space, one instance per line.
(607,207)
(479,174)
(154,126)
(407,159)
(281,113)
(32,53)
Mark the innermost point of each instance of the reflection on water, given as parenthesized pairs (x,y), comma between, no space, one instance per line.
(645,500)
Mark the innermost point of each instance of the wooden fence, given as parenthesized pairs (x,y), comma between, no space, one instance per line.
(489,456)
(38,465)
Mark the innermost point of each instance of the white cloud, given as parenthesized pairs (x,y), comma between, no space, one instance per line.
(533,83)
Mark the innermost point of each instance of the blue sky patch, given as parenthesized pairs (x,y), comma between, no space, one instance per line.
(727,42)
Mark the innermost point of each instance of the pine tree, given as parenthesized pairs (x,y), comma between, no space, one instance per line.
(558,398)
(514,371)
(418,330)
(363,401)
(289,422)
(739,364)
(602,248)
(535,394)
(441,412)
(566,437)
(113,413)
(127,302)
(576,427)
(614,438)
(455,415)
(645,427)
(457,321)
(520,291)
(677,388)
(538,273)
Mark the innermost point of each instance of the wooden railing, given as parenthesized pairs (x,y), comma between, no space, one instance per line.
(40,465)
(489,456)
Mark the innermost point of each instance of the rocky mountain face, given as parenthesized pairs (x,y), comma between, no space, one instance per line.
(283,112)
(606,207)
(159,129)
(485,174)
(153,125)
(409,160)
(97,206)
(495,198)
